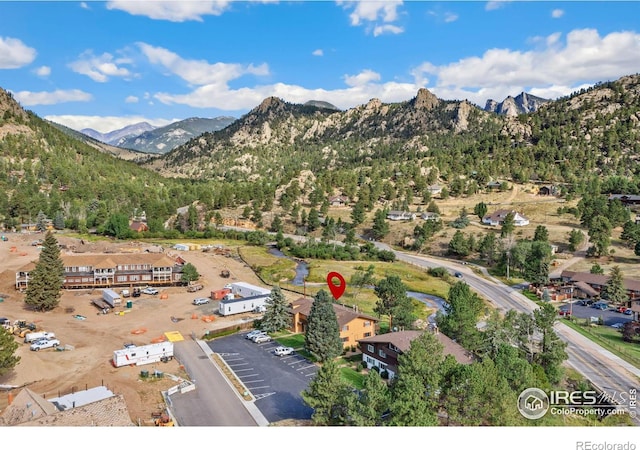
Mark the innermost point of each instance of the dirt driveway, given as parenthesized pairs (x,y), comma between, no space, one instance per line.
(52,373)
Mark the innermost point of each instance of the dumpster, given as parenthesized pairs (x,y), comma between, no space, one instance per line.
(144,374)
(129,304)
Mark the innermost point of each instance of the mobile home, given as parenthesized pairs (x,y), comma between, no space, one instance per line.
(230,306)
(243,289)
(145,354)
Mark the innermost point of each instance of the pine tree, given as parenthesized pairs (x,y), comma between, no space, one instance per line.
(322,337)
(329,396)
(45,281)
(58,221)
(8,347)
(276,316)
(614,290)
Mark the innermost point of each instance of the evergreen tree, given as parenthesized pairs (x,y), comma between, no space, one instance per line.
(58,221)
(415,392)
(614,290)
(189,273)
(480,210)
(41,221)
(313,220)
(599,236)
(322,337)
(276,225)
(46,280)
(358,213)
(541,234)
(329,396)
(276,316)
(117,225)
(462,314)
(537,263)
(8,347)
(391,293)
(368,408)
(596,269)
(509,225)
(380,225)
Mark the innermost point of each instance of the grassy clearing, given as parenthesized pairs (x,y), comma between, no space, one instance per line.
(352,377)
(270,268)
(610,339)
(295,341)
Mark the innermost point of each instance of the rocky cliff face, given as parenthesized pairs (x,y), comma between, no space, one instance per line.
(512,106)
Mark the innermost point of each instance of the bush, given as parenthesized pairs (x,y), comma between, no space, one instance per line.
(384,375)
(362,365)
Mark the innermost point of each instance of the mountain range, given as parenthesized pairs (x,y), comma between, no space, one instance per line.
(512,106)
(116,136)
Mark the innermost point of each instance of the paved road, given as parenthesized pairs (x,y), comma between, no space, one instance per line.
(605,370)
(214,402)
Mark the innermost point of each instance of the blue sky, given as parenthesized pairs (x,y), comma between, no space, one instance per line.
(111,63)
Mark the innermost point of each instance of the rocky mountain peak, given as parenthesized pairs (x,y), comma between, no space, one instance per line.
(270,104)
(523,103)
(425,100)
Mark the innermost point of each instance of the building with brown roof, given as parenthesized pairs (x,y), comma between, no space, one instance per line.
(139,226)
(383,350)
(353,324)
(128,269)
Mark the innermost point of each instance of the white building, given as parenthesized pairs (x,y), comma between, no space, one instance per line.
(243,289)
(230,306)
(497,218)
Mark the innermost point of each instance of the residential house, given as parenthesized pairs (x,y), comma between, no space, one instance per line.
(625,198)
(497,218)
(434,189)
(401,215)
(338,200)
(430,216)
(548,190)
(91,271)
(383,350)
(585,280)
(353,324)
(491,185)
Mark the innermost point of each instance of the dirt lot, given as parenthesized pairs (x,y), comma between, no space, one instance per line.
(52,373)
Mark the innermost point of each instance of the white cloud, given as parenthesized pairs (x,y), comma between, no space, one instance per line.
(318,52)
(101,68)
(374,12)
(84,5)
(15,54)
(491,6)
(28,98)
(173,11)
(104,124)
(363,78)
(450,17)
(557,13)
(131,99)
(200,72)
(556,66)
(387,29)
(43,71)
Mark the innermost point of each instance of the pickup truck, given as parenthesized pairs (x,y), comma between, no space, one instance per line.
(44,343)
(150,291)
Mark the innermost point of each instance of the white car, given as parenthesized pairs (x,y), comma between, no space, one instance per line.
(618,325)
(283,351)
(150,291)
(200,301)
(261,338)
(252,334)
(44,343)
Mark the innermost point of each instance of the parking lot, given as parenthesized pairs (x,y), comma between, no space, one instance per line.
(609,317)
(276,382)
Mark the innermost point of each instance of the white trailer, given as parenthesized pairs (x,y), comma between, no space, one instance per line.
(243,289)
(32,337)
(111,297)
(230,306)
(144,354)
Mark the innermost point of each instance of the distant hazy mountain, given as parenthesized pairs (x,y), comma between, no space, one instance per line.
(513,106)
(113,137)
(321,104)
(164,139)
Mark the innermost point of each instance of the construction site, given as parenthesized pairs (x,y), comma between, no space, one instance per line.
(89,335)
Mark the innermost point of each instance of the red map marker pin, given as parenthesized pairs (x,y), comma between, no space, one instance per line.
(336,290)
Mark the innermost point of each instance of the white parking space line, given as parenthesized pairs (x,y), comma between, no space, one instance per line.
(244,370)
(234,359)
(236,365)
(254,381)
(247,376)
(259,387)
(306,367)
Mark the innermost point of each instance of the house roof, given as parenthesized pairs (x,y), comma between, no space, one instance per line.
(344,314)
(111,260)
(598,279)
(402,341)
(400,213)
(138,226)
(339,198)
(500,214)
(584,287)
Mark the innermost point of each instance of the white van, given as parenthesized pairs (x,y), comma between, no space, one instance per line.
(32,337)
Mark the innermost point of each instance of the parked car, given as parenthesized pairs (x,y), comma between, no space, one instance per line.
(628,312)
(200,301)
(583,302)
(261,338)
(252,334)
(150,291)
(564,311)
(44,343)
(136,292)
(617,325)
(457,275)
(600,306)
(283,351)
(621,309)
